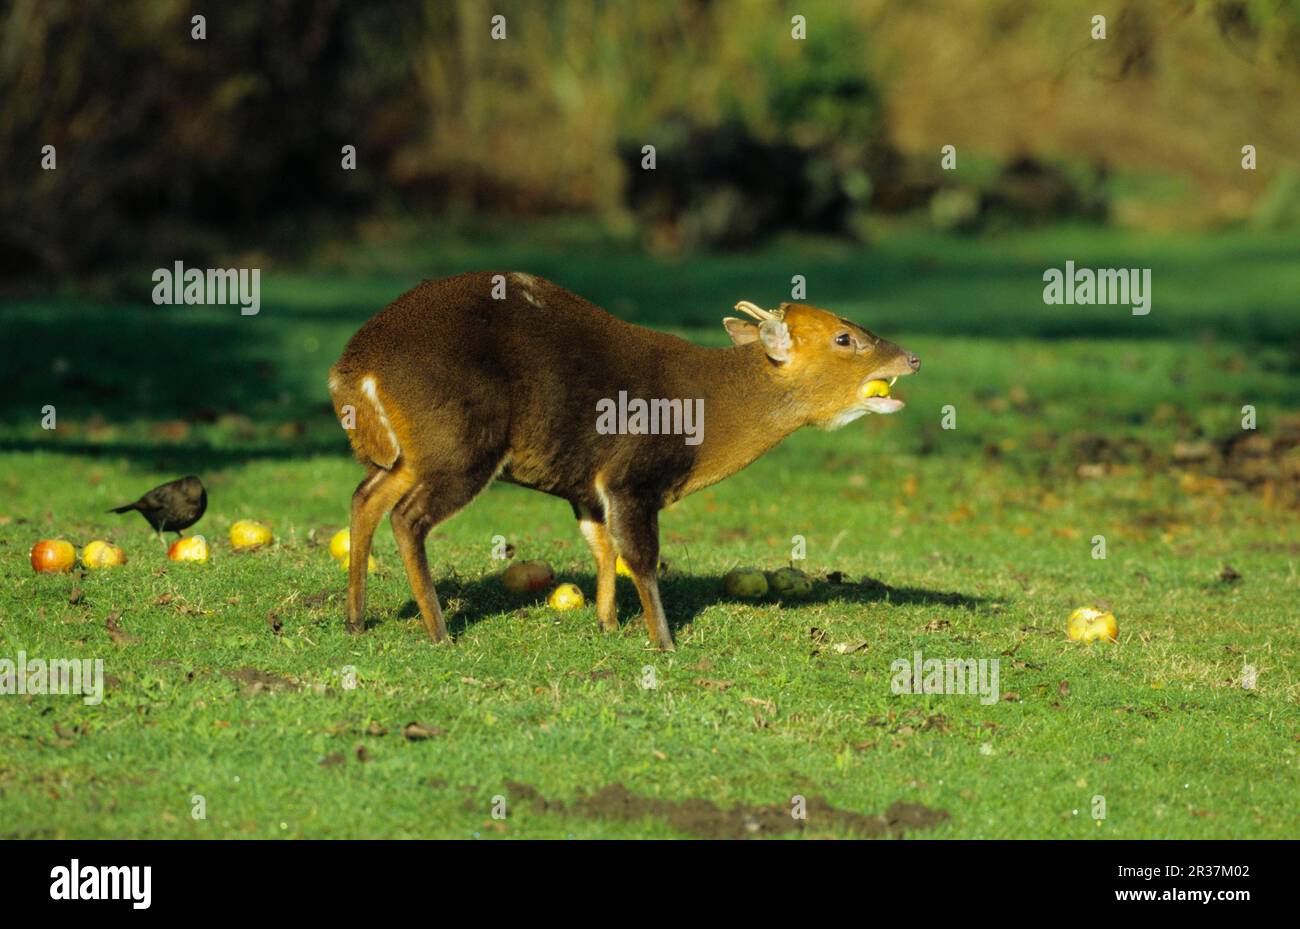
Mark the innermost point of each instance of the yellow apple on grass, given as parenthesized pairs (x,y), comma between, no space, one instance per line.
(749,583)
(191,548)
(1089,624)
(100,554)
(341,550)
(53,556)
(620,567)
(371,565)
(341,544)
(566,597)
(249,533)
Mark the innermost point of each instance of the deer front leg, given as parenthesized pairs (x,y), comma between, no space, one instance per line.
(634,528)
(597,536)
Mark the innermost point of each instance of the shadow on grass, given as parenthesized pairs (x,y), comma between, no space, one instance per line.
(470,602)
(191,457)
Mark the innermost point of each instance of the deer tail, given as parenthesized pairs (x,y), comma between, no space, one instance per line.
(360,409)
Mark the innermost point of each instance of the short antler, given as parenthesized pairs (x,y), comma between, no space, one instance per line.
(756,311)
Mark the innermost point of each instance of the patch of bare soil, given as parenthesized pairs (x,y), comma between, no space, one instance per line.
(1243,461)
(1265,464)
(705,819)
(115,631)
(320,598)
(256,681)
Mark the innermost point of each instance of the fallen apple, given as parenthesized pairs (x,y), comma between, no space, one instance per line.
(749,583)
(190,548)
(52,556)
(1089,624)
(249,533)
(527,577)
(790,582)
(341,544)
(620,567)
(371,565)
(101,554)
(565,597)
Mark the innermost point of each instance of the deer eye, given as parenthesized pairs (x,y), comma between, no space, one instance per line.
(843,339)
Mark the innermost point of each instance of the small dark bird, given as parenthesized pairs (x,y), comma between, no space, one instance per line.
(171,507)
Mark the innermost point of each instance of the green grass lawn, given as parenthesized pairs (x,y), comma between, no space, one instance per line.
(230,681)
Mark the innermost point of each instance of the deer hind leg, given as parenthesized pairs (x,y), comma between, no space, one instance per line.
(374,496)
(412,520)
(602,547)
(431,501)
(634,528)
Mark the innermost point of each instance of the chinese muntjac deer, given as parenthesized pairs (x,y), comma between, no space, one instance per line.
(509,376)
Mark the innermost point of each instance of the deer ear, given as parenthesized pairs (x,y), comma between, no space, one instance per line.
(776,339)
(741,332)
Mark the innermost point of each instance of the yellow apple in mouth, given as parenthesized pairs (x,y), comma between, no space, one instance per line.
(875,396)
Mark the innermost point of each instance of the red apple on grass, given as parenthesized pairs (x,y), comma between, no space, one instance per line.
(53,556)
(526,577)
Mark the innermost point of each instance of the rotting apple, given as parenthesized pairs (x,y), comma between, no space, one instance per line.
(1089,624)
(790,582)
(101,554)
(527,577)
(749,583)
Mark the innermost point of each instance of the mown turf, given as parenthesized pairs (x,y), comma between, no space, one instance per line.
(228,681)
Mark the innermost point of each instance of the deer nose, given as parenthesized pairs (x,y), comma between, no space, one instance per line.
(913,362)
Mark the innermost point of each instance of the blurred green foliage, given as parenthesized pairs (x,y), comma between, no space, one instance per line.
(172,147)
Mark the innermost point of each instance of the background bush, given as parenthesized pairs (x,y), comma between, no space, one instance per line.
(170,147)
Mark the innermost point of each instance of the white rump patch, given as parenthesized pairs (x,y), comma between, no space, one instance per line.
(368,388)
